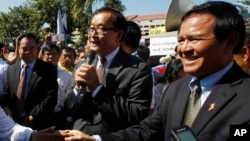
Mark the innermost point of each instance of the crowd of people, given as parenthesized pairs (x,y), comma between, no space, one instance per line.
(107,91)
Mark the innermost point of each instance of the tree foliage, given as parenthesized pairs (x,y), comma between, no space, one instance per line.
(18,20)
(243,8)
(34,14)
(116,4)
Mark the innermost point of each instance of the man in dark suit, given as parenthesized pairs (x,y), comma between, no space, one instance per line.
(40,94)
(207,39)
(242,58)
(123,97)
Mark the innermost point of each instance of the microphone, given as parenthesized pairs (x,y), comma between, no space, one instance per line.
(89,59)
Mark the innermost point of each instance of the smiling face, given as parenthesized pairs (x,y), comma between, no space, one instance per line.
(201,53)
(107,42)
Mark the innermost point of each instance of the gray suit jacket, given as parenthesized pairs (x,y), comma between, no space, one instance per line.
(123,100)
(230,96)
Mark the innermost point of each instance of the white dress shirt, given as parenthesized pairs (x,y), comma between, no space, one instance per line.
(63,80)
(3,75)
(10,131)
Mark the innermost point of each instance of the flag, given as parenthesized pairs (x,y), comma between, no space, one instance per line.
(61,23)
(159,71)
(64,21)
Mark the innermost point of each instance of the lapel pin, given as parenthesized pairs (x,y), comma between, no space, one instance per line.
(211,107)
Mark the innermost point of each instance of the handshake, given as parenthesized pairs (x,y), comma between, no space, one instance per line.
(50,134)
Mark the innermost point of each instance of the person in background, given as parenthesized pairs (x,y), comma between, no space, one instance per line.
(131,38)
(47,40)
(3,71)
(243,57)
(143,52)
(174,70)
(35,105)
(121,95)
(67,59)
(51,54)
(82,53)
(10,57)
(207,39)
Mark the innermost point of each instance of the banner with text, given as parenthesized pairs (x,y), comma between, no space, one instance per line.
(163,46)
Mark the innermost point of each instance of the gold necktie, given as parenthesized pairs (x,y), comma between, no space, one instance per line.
(101,69)
(194,104)
(21,89)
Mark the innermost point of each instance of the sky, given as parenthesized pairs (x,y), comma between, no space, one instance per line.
(133,7)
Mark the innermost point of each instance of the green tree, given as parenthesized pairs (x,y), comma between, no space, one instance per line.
(82,11)
(32,15)
(116,4)
(18,20)
(243,8)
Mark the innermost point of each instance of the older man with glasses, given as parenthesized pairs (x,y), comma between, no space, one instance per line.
(122,96)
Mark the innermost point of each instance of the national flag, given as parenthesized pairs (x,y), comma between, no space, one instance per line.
(64,21)
(61,23)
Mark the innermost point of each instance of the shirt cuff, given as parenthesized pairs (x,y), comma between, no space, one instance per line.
(97,138)
(96,91)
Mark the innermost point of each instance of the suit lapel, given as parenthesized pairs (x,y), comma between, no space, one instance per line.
(115,67)
(16,73)
(216,101)
(219,97)
(180,105)
(33,76)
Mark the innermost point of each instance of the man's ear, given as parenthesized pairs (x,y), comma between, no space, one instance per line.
(246,53)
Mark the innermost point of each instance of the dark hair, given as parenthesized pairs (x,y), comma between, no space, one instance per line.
(132,36)
(29,36)
(143,52)
(48,47)
(69,49)
(118,20)
(1,45)
(172,70)
(228,20)
(173,67)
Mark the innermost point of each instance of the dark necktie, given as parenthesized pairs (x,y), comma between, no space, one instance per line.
(101,69)
(21,89)
(194,104)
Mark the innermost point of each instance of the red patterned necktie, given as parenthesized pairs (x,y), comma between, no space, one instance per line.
(21,89)
(101,69)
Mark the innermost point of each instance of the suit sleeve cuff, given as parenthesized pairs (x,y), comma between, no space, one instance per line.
(97,138)
(96,91)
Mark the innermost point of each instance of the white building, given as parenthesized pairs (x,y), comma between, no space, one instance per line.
(147,22)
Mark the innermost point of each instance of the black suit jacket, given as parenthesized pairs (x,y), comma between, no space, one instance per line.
(123,100)
(230,97)
(41,94)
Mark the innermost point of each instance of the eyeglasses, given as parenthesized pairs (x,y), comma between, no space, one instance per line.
(99,30)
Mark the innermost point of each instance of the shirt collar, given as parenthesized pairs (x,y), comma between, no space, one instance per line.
(31,65)
(208,83)
(110,56)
